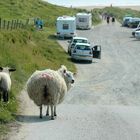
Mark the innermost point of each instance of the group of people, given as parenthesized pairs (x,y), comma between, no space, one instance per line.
(108,18)
(112,19)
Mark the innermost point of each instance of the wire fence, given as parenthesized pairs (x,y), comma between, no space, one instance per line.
(14,24)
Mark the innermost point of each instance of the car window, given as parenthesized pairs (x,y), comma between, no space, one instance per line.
(82,47)
(80,41)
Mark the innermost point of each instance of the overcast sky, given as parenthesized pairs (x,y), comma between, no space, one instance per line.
(94,2)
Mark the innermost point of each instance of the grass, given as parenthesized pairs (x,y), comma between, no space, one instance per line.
(28,49)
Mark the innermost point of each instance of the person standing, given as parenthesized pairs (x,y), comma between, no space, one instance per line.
(108,19)
(113,19)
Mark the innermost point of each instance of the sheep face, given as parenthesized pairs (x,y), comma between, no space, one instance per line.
(7,69)
(69,77)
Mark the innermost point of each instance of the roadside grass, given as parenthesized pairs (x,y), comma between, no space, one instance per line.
(29,49)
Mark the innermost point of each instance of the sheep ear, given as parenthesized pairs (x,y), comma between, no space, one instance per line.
(64,71)
(12,69)
(1,68)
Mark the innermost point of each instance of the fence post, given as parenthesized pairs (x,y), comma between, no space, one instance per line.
(20,23)
(4,24)
(16,23)
(27,22)
(8,24)
(12,24)
(0,23)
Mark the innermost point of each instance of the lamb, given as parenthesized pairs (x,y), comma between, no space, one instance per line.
(5,82)
(48,87)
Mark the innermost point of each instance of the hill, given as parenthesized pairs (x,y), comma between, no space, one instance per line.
(28,49)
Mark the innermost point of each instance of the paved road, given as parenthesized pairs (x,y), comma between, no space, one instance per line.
(104,103)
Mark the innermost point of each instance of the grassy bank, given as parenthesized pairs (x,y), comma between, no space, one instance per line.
(29,49)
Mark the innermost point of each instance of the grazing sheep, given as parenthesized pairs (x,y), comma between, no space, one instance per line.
(48,87)
(5,82)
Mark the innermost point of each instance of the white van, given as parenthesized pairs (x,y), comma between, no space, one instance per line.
(66,26)
(83,20)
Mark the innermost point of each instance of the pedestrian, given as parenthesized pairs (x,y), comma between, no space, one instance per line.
(108,19)
(113,19)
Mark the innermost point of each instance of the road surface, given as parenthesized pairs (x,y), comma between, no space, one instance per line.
(104,102)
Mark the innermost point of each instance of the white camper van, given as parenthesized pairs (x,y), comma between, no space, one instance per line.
(83,20)
(66,26)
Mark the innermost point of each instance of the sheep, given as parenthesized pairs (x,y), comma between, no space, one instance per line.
(5,82)
(48,87)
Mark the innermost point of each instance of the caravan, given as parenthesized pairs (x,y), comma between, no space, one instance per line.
(66,26)
(83,20)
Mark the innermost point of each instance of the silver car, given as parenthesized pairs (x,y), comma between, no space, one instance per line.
(76,40)
(82,51)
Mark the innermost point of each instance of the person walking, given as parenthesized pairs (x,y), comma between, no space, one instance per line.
(113,19)
(108,19)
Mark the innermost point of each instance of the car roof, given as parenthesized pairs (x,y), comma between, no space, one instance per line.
(80,38)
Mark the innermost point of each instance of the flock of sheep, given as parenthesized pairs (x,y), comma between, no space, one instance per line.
(47,87)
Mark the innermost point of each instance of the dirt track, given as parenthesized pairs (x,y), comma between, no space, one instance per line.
(104,102)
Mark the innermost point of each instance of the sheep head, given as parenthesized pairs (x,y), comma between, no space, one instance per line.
(7,69)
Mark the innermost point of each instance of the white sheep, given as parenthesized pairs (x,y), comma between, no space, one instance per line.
(5,82)
(48,87)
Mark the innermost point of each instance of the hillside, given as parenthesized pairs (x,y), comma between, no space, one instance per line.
(28,49)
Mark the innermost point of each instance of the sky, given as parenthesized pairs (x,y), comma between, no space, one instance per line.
(77,3)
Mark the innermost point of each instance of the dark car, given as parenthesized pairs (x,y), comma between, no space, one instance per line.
(125,21)
(134,22)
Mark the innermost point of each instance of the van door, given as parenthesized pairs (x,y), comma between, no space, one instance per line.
(96,51)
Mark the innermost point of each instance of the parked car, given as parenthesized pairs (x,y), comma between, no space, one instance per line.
(134,22)
(134,30)
(75,40)
(126,20)
(137,34)
(82,51)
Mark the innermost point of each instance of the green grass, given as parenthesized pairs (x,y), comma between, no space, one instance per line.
(28,49)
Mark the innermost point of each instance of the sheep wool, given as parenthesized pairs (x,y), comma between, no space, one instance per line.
(50,81)
(48,87)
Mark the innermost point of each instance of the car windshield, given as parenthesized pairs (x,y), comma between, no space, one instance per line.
(83,47)
(80,41)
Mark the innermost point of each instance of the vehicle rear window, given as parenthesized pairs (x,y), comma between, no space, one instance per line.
(82,20)
(65,26)
(80,41)
(83,47)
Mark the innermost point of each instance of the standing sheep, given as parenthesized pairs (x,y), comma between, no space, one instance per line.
(48,87)
(5,82)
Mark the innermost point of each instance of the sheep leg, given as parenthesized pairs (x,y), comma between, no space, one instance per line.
(0,96)
(52,113)
(55,111)
(47,112)
(40,111)
(5,96)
